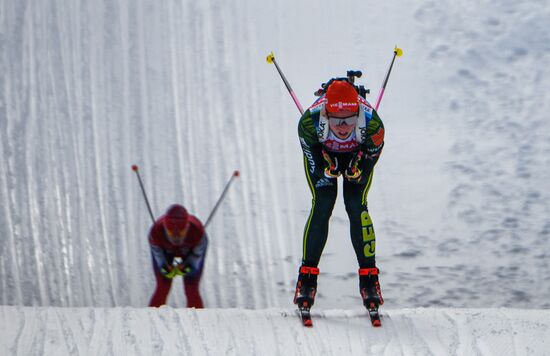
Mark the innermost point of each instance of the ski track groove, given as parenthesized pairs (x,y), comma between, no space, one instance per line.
(201,333)
(127,134)
(4,213)
(454,342)
(291,221)
(66,343)
(128,334)
(414,342)
(74,218)
(249,296)
(212,29)
(237,238)
(241,286)
(244,286)
(9,259)
(186,63)
(261,206)
(212,115)
(35,79)
(277,334)
(11,194)
(37,331)
(271,228)
(59,107)
(73,333)
(17,330)
(98,112)
(395,345)
(181,327)
(170,319)
(175,89)
(466,342)
(474,341)
(512,337)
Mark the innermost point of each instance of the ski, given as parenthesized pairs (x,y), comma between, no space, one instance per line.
(374,315)
(305,316)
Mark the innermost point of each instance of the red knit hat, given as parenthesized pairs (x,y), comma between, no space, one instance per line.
(341,98)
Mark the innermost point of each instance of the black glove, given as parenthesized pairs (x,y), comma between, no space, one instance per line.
(331,169)
(354,173)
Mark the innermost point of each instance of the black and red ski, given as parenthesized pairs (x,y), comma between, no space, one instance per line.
(305,316)
(374,315)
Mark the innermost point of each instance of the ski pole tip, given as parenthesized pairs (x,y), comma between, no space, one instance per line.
(236,173)
(398,51)
(270,58)
(135,168)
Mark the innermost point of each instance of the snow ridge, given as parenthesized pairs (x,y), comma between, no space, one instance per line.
(168,331)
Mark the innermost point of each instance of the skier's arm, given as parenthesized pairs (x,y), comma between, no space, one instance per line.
(375,137)
(311,146)
(372,147)
(195,259)
(158,253)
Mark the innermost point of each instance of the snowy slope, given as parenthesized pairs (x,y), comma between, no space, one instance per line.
(460,197)
(129,331)
(168,86)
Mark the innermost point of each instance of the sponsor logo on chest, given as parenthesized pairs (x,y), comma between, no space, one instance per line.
(336,146)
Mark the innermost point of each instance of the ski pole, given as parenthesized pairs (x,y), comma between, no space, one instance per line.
(227,185)
(135,168)
(271,59)
(397,52)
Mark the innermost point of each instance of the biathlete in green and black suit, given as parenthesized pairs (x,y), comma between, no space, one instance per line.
(341,135)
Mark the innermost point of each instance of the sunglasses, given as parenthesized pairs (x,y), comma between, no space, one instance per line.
(341,121)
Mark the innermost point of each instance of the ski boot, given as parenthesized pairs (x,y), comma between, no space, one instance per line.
(370,292)
(306,288)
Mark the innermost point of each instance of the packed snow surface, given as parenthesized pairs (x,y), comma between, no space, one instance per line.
(167,331)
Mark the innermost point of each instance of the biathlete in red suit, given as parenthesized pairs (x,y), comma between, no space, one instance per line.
(177,234)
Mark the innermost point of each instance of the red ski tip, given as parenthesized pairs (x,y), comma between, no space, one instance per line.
(236,173)
(308,323)
(134,168)
(376,323)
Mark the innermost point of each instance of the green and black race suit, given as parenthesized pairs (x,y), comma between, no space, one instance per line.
(368,138)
